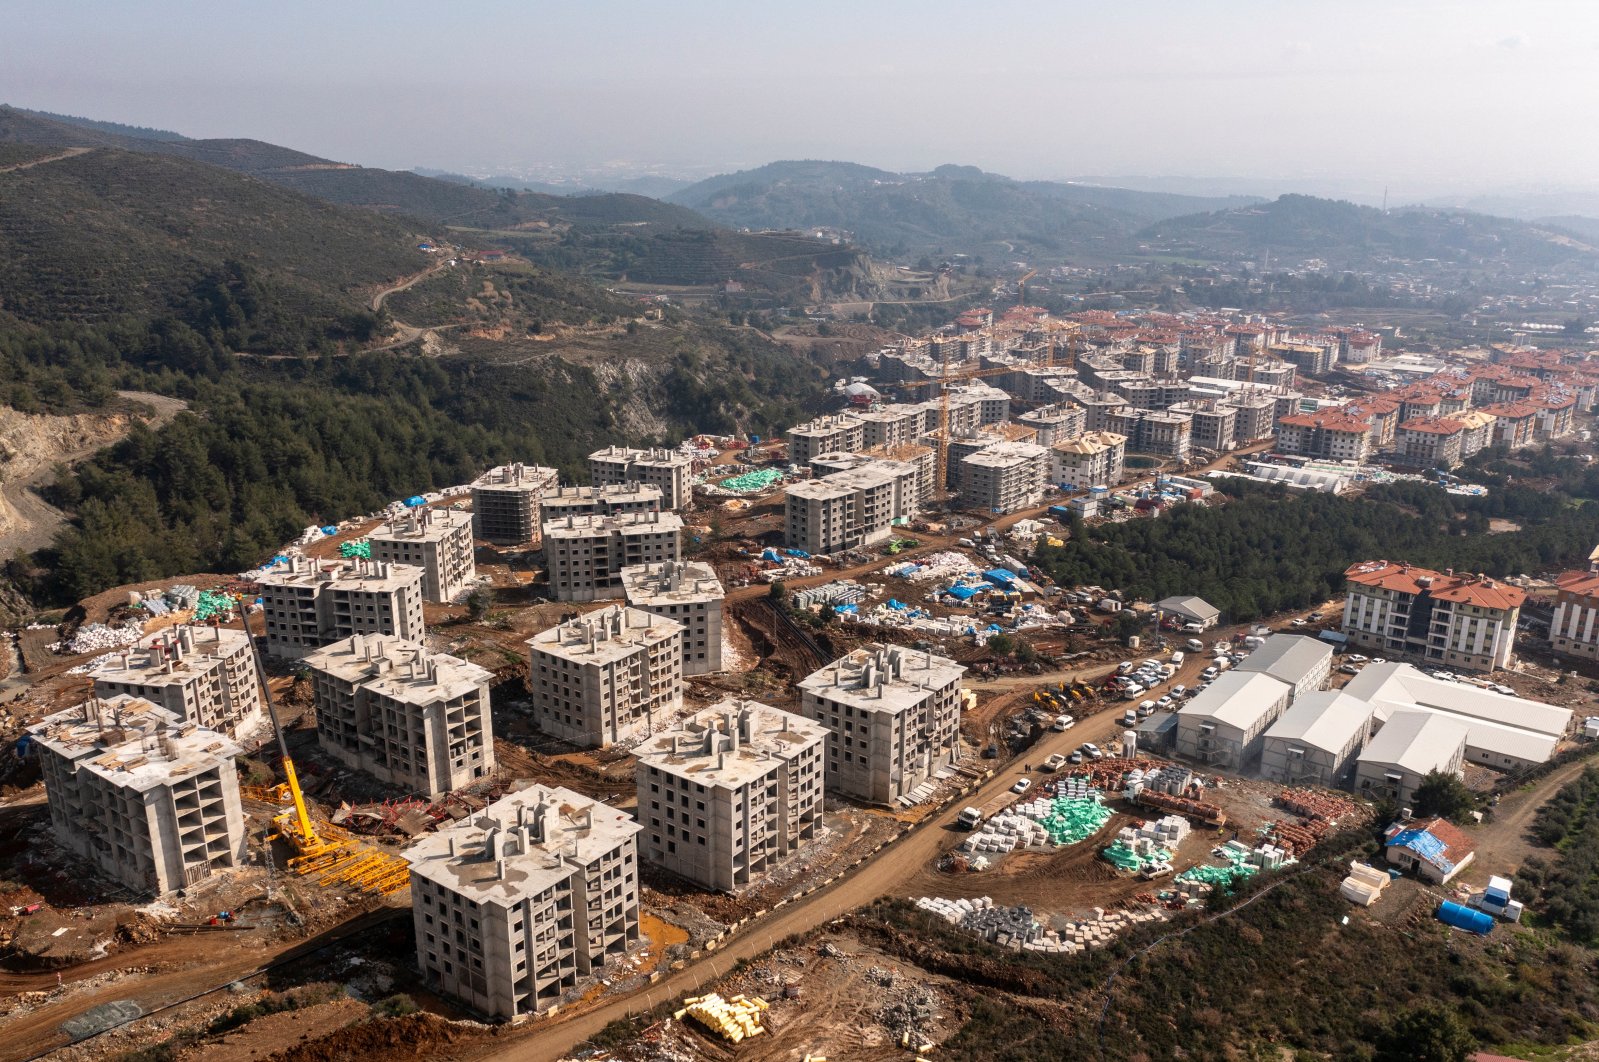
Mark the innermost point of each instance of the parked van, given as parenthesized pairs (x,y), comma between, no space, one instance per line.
(969,819)
(1195,645)
(1177,658)
(1192,628)
(1130,717)
(1064,722)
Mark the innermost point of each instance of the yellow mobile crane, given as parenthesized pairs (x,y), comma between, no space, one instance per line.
(296,826)
(330,853)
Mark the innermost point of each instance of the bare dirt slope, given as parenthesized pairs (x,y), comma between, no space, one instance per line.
(33,444)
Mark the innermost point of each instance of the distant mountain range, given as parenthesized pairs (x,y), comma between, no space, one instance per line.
(1295,227)
(953,209)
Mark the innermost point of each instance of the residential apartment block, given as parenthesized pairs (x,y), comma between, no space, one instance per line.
(402,714)
(729,792)
(1575,627)
(505,503)
(1165,432)
(1004,477)
(309,604)
(149,799)
(585,555)
(670,470)
(1465,620)
(852,508)
(830,434)
(893,717)
(617,499)
(1329,435)
(690,593)
(1091,460)
(439,541)
(516,905)
(203,675)
(610,676)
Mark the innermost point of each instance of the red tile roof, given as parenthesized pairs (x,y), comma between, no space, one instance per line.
(1463,589)
(1585,583)
(1433,425)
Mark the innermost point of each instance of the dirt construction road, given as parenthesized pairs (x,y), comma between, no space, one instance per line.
(887,873)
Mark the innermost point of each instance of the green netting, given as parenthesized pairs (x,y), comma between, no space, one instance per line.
(1074,819)
(212,603)
(759,479)
(1238,866)
(359,547)
(1125,858)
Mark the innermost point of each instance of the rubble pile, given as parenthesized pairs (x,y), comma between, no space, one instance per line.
(908,1015)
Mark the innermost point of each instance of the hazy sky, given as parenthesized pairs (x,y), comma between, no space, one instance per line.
(1418,93)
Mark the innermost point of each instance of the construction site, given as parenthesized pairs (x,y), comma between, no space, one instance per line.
(372,738)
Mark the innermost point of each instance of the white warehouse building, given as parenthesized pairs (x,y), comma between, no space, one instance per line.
(1225,726)
(1410,746)
(1303,663)
(1316,740)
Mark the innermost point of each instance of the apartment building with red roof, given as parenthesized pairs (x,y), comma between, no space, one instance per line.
(1399,610)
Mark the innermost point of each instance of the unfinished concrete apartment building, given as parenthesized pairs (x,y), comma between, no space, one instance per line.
(893,717)
(613,675)
(404,715)
(516,905)
(439,541)
(690,593)
(729,792)
(585,555)
(203,675)
(149,799)
(309,604)
(615,500)
(670,470)
(505,503)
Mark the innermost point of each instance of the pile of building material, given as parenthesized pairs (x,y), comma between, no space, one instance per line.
(1312,805)
(734,1020)
(182,595)
(1136,850)
(358,547)
(842,592)
(1199,810)
(1059,821)
(1005,926)
(98,638)
(1171,778)
(212,603)
(936,566)
(752,482)
(1364,884)
(1297,839)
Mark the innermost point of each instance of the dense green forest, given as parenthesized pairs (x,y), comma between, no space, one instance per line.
(1266,549)
(269,446)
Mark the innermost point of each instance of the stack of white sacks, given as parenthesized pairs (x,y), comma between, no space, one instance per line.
(1077,936)
(1013,829)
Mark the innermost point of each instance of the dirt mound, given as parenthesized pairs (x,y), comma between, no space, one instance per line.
(413,1036)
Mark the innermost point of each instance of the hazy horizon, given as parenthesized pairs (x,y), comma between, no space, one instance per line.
(1423,98)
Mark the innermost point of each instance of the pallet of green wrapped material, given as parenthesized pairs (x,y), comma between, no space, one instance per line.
(212,604)
(359,547)
(1134,853)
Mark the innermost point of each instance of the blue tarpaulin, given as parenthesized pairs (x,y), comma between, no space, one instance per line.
(416,500)
(1000,577)
(330,529)
(897,606)
(1425,845)
(797,553)
(770,554)
(846,608)
(962,593)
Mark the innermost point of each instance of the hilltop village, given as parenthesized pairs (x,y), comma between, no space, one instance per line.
(584,738)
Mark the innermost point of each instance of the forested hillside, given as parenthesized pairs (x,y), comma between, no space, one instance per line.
(1267,549)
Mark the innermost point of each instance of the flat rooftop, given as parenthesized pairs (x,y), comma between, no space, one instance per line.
(883,678)
(423,525)
(656,457)
(594,525)
(517,477)
(520,845)
(356,574)
(674,582)
(730,744)
(1006,455)
(130,742)
(605,636)
(191,651)
(398,669)
(630,493)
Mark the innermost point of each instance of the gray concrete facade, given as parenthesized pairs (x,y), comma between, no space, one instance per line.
(203,675)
